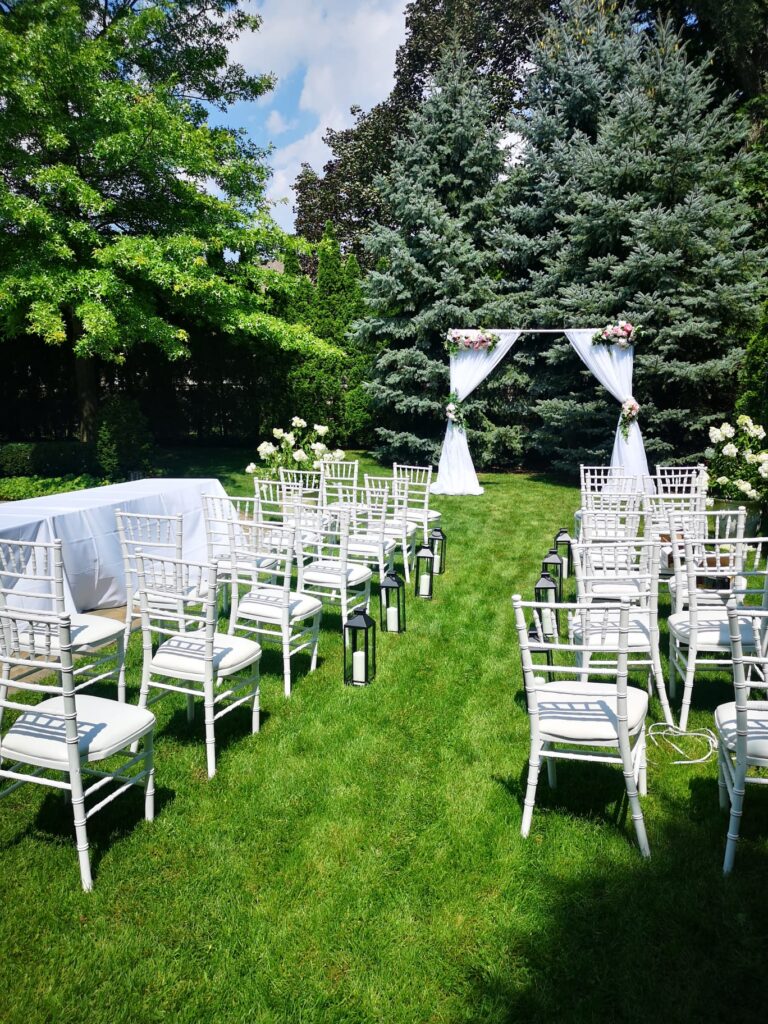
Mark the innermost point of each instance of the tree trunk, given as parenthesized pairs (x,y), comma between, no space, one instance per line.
(87,387)
(87,380)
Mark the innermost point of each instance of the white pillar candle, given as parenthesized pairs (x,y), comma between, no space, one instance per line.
(437,563)
(424,584)
(358,667)
(393,620)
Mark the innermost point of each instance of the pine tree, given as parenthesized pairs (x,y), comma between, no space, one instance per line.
(329,318)
(437,268)
(626,205)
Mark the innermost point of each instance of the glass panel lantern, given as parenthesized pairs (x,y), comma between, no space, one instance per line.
(359,649)
(563,547)
(392,604)
(438,545)
(545,592)
(424,575)
(553,564)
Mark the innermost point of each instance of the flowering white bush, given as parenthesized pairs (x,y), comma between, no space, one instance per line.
(738,468)
(293,447)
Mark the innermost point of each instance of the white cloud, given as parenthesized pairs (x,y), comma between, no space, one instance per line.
(345,50)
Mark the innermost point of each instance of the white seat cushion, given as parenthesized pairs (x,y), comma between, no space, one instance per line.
(586,712)
(369,546)
(183,655)
(757,729)
(417,514)
(638,636)
(712,629)
(103,727)
(615,589)
(328,574)
(87,632)
(267,605)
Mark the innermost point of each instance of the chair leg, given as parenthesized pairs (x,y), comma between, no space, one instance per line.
(642,775)
(315,641)
(734,822)
(672,668)
(256,708)
(722,788)
(406,550)
(287,666)
(637,813)
(210,736)
(690,672)
(149,781)
(658,679)
(534,764)
(81,834)
(121,669)
(123,649)
(551,770)
(190,708)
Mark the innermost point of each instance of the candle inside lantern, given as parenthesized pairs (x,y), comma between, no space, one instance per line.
(358,667)
(437,563)
(393,621)
(424,584)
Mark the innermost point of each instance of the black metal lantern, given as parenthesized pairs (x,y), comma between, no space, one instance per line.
(424,574)
(553,564)
(392,604)
(439,546)
(563,547)
(545,592)
(359,649)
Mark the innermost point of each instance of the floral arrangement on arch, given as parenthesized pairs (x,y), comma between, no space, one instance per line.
(622,334)
(454,411)
(630,410)
(297,448)
(737,463)
(471,341)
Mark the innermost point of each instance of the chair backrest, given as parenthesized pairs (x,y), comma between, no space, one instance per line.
(702,564)
(154,535)
(751,586)
(334,472)
(622,568)
(41,664)
(176,596)
(413,485)
(413,474)
(612,501)
(680,479)
(304,484)
(721,524)
(610,523)
(750,670)
(561,660)
(218,513)
(608,479)
(325,542)
(32,575)
(262,557)
(658,508)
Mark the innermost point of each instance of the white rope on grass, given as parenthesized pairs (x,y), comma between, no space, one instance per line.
(660,731)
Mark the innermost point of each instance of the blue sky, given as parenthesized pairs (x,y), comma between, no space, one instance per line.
(327,55)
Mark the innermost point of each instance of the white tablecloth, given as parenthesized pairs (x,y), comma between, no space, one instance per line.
(84,521)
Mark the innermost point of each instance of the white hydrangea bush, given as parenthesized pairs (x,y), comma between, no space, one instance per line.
(297,447)
(738,462)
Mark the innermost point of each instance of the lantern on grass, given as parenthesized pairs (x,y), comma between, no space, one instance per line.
(359,649)
(553,564)
(563,547)
(545,592)
(392,604)
(424,575)
(438,546)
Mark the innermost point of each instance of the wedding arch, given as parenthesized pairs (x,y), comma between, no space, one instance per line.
(473,358)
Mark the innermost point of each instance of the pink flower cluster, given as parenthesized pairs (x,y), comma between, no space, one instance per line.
(476,340)
(620,334)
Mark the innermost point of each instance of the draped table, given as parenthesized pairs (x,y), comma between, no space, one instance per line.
(84,521)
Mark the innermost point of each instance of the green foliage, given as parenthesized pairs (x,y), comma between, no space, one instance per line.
(17,488)
(43,458)
(738,462)
(123,443)
(626,205)
(438,267)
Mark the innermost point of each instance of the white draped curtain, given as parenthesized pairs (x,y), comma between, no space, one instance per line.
(469,367)
(613,368)
(611,365)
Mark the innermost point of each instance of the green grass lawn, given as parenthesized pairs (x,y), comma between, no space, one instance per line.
(361,860)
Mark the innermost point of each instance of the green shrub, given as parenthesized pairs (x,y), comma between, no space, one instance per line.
(497,447)
(124,441)
(46,458)
(16,488)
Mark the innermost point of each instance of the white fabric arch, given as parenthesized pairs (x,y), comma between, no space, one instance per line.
(469,367)
(611,365)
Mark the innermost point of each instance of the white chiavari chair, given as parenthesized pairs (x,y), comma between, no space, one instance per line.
(32,579)
(579,717)
(333,472)
(263,557)
(727,526)
(742,724)
(325,569)
(680,479)
(369,542)
(623,571)
(66,733)
(415,483)
(606,480)
(183,652)
(398,526)
(304,484)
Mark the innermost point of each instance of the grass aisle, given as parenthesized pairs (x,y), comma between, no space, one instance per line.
(360,860)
